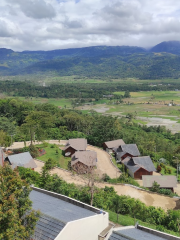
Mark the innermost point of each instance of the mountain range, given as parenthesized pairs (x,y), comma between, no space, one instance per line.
(161,61)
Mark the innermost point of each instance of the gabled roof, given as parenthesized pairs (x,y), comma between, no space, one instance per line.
(114,143)
(145,162)
(89,158)
(128,162)
(120,154)
(2,156)
(79,144)
(22,160)
(135,163)
(166,181)
(131,149)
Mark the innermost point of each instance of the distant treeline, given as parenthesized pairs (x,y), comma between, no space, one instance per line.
(77,90)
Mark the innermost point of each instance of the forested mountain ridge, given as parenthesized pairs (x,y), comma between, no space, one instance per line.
(100,61)
(168,47)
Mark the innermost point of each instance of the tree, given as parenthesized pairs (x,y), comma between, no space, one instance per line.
(17,219)
(116,205)
(127,94)
(36,123)
(5,140)
(155,187)
(50,164)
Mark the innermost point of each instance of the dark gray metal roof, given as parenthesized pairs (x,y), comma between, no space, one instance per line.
(57,208)
(133,233)
(131,149)
(166,181)
(145,162)
(47,228)
(120,154)
(135,163)
(128,162)
(22,160)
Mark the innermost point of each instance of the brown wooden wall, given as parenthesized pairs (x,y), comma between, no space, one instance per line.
(140,172)
(104,146)
(71,150)
(81,168)
(126,155)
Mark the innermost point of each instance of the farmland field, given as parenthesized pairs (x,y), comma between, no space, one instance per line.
(59,102)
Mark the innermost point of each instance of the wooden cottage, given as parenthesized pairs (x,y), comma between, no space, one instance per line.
(113,144)
(127,150)
(83,161)
(73,145)
(139,166)
(21,160)
(165,181)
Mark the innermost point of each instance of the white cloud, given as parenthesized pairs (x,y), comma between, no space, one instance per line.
(51,24)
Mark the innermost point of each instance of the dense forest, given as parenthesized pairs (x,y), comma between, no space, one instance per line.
(78,90)
(27,121)
(162,61)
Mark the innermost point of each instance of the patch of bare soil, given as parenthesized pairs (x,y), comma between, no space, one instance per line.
(150,199)
(104,164)
(169,124)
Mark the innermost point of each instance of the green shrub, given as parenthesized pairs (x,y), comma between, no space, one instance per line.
(106,178)
(159,168)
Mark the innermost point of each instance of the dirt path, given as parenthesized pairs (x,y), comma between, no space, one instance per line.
(150,199)
(104,164)
(17,145)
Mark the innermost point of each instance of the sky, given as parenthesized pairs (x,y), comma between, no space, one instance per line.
(61,24)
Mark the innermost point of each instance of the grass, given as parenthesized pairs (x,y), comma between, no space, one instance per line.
(173,171)
(125,220)
(51,153)
(60,102)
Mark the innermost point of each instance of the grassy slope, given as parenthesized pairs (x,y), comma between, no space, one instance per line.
(51,153)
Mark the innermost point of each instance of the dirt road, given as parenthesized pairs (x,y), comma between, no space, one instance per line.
(104,164)
(150,199)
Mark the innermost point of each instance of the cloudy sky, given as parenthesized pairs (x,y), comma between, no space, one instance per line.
(57,24)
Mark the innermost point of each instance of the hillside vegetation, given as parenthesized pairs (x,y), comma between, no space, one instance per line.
(162,61)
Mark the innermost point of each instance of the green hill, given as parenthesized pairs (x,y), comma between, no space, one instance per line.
(102,61)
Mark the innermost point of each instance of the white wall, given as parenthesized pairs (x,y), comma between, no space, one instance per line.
(85,228)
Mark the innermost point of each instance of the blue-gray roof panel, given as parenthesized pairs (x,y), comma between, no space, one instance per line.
(133,233)
(57,208)
(47,228)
